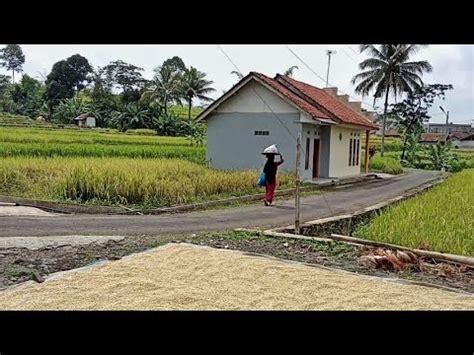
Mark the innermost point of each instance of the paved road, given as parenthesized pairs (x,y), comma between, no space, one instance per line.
(330,203)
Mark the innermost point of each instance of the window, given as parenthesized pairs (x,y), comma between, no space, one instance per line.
(354,151)
(261,133)
(357,151)
(350,152)
(306,158)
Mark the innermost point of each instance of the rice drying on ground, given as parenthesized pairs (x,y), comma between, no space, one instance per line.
(185,277)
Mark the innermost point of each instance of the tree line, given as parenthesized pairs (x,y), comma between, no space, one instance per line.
(117,94)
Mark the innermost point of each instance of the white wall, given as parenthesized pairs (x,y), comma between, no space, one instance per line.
(339,155)
(246,100)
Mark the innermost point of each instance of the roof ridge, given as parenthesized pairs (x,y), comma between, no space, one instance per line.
(327,96)
(305,97)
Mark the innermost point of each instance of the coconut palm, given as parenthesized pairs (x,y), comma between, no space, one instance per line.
(195,85)
(238,74)
(165,87)
(290,70)
(389,72)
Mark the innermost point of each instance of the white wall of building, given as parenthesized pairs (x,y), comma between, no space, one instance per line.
(339,147)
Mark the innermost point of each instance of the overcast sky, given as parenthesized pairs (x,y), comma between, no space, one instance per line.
(453,64)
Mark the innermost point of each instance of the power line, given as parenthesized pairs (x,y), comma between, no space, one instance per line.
(321,78)
(349,56)
(353,50)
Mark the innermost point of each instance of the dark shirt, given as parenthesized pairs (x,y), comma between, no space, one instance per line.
(270,170)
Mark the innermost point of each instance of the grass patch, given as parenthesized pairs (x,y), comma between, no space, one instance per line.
(386,165)
(441,219)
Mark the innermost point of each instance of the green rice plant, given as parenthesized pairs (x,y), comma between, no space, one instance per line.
(111,181)
(386,165)
(441,219)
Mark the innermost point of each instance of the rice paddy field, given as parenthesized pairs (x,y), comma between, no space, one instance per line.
(96,167)
(440,220)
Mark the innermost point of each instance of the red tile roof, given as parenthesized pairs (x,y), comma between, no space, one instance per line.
(432,137)
(315,102)
(339,110)
(298,101)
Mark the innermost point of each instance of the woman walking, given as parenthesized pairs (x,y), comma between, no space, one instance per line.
(270,170)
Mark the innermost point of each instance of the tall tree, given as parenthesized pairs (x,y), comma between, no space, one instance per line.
(175,64)
(389,72)
(195,85)
(27,96)
(67,77)
(238,74)
(4,84)
(165,87)
(124,76)
(290,70)
(413,110)
(12,58)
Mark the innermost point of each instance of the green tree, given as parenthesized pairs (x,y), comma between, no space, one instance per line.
(413,110)
(440,155)
(165,88)
(4,85)
(129,116)
(12,58)
(68,109)
(124,76)
(195,85)
(27,96)
(238,74)
(67,78)
(389,72)
(290,70)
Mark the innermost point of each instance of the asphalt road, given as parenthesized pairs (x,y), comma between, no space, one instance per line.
(344,200)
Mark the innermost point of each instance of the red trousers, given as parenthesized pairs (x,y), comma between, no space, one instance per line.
(269,191)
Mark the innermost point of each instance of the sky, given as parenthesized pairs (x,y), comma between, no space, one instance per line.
(452,64)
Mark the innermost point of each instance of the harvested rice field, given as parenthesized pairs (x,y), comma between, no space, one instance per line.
(182,276)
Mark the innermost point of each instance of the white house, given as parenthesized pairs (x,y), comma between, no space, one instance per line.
(259,111)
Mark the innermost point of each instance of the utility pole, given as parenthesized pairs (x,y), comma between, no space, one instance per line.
(297,185)
(329,52)
(447,123)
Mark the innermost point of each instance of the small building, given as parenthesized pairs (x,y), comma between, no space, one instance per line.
(85,121)
(432,138)
(260,111)
(462,140)
(389,132)
(450,128)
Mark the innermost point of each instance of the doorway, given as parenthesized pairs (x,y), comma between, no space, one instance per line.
(316,150)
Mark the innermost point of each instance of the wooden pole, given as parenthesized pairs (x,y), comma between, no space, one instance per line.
(297,185)
(367,137)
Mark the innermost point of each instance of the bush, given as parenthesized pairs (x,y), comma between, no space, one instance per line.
(386,165)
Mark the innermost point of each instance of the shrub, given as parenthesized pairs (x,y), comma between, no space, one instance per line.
(386,165)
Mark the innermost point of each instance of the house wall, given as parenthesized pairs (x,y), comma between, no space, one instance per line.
(339,146)
(90,122)
(463,144)
(231,140)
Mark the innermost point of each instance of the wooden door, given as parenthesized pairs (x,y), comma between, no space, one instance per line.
(316,151)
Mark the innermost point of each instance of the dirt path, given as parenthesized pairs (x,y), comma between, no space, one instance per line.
(181,276)
(330,203)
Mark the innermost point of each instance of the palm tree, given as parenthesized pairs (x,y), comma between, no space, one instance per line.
(165,87)
(195,85)
(290,70)
(389,72)
(239,74)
